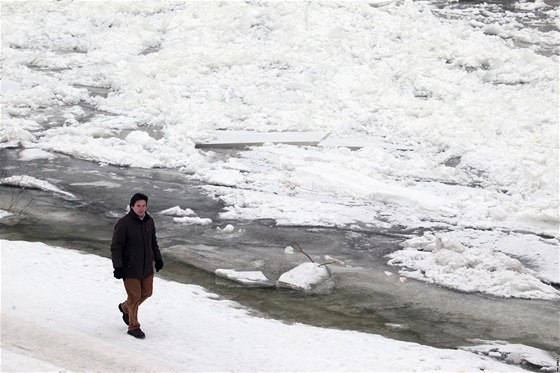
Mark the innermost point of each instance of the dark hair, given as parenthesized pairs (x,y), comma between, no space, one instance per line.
(138,197)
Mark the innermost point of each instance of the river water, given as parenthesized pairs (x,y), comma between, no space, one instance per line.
(364,298)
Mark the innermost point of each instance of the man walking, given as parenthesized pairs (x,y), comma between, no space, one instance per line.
(134,249)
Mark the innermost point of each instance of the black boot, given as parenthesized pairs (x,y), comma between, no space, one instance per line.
(124,315)
(137,333)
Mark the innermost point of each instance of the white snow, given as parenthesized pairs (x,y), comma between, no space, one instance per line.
(193,220)
(526,5)
(17,361)
(185,216)
(439,259)
(33,154)
(187,328)
(7,85)
(178,212)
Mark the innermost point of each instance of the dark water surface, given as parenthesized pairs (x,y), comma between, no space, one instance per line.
(364,298)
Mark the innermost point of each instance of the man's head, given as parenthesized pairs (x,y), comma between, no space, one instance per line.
(139,204)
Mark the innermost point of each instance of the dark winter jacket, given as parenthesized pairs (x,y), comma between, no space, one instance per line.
(134,246)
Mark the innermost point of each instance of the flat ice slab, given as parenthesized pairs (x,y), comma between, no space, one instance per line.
(251,278)
(7,85)
(239,139)
(362,142)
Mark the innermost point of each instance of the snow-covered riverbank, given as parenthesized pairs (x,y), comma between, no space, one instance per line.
(59,313)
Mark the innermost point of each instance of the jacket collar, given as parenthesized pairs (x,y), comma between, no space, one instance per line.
(137,219)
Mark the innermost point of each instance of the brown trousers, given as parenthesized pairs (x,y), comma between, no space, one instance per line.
(137,290)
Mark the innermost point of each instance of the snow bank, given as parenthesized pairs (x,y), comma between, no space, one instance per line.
(339,187)
(439,260)
(42,330)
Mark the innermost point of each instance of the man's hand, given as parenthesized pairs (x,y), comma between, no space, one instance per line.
(159,264)
(118,272)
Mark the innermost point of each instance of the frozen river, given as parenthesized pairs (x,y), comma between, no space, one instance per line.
(368,294)
(457,101)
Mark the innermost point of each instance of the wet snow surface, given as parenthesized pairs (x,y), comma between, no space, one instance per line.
(431,192)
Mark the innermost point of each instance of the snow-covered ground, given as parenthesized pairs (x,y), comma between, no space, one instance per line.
(59,313)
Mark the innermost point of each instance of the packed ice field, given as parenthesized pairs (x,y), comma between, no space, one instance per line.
(457,123)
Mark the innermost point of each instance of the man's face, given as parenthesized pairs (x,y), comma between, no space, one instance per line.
(140,207)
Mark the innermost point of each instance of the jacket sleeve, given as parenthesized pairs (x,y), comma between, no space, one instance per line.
(117,244)
(155,246)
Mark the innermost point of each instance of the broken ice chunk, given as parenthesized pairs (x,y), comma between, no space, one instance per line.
(306,277)
(252,278)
